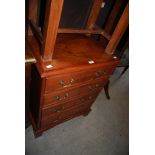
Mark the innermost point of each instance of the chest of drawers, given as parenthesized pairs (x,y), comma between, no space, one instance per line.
(72,66)
(58,97)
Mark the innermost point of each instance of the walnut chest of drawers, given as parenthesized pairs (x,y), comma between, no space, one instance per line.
(62,93)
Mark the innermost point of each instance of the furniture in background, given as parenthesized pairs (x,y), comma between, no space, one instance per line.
(124,61)
(29,60)
(123,53)
(71,68)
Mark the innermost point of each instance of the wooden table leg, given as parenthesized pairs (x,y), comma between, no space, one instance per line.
(126,67)
(106,89)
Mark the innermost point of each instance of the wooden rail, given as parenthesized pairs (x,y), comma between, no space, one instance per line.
(119,31)
(36,31)
(95,30)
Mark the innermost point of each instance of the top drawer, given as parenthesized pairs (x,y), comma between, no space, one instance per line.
(72,79)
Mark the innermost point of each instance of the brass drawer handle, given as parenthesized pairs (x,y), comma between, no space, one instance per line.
(72,81)
(65,86)
(54,110)
(62,83)
(66,95)
(102,72)
(58,98)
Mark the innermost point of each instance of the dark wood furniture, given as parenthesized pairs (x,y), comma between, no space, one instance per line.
(123,52)
(72,67)
(29,60)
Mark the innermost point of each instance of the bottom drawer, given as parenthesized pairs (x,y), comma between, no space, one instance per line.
(70,113)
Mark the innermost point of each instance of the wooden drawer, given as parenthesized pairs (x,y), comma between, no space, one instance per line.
(64,96)
(72,79)
(89,99)
(60,117)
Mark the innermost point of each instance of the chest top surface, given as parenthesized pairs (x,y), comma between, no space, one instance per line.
(73,52)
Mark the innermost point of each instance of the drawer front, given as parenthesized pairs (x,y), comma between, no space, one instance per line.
(70,113)
(64,96)
(54,109)
(73,79)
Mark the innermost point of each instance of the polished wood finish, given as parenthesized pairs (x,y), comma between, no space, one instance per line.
(76,54)
(51,23)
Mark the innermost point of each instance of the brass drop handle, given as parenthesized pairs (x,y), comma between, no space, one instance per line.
(72,81)
(102,72)
(66,95)
(61,82)
(99,73)
(54,110)
(58,98)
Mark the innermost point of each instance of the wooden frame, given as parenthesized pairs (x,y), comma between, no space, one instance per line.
(94,13)
(119,31)
(51,28)
(32,13)
(113,17)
